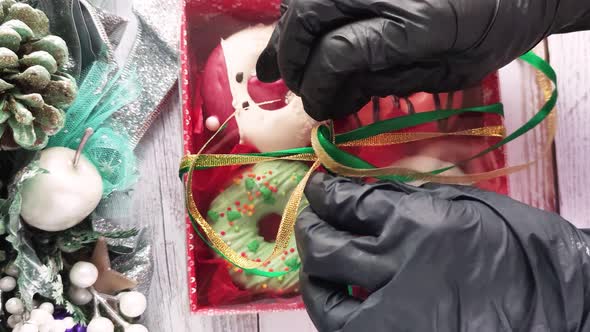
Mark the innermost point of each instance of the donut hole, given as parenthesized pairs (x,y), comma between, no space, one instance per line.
(268,226)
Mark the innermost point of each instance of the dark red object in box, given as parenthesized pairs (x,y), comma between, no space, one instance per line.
(204,24)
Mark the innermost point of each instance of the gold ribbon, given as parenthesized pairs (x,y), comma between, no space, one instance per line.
(321,157)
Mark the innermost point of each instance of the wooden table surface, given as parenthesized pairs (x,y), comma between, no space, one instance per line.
(556,185)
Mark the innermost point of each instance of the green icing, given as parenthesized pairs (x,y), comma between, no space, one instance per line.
(292,262)
(266,193)
(213,215)
(253,246)
(233,215)
(250,184)
(284,174)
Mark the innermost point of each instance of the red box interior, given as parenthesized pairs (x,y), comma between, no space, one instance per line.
(203,24)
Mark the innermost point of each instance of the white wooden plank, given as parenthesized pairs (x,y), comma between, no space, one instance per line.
(159,205)
(569,56)
(521,98)
(287,321)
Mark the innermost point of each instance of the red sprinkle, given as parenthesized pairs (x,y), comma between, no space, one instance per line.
(258,178)
(258,259)
(266,183)
(229,209)
(270,270)
(258,193)
(243,254)
(231,224)
(237,203)
(239,271)
(250,198)
(251,175)
(286,269)
(273,189)
(282,258)
(285,252)
(292,250)
(240,176)
(222,233)
(222,214)
(270,172)
(264,177)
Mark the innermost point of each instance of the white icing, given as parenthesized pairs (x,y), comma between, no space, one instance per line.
(285,128)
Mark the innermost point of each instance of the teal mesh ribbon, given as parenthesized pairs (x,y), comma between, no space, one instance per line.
(104,90)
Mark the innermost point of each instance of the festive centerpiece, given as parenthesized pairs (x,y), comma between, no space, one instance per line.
(64,266)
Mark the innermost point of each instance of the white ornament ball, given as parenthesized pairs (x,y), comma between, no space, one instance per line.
(13,320)
(83,274)
(12,270)
(212,123)
(14,306)
(7,284)
(100,324)
(64,196)
(79,296)
(68,322)
(136,328)
(47,306)
(41,317)
(28,327)
(132,304)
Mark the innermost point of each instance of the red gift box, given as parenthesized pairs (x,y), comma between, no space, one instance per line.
(204,23)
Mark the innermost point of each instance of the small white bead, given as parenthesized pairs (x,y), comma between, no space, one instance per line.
(12,270)
(83,274)
(79,296)
(14,306)
(212,123)
(28,327)
(7,284)
(132,304)
(100,324)
(41,317)
(47,306)
(136,328)
(13,320)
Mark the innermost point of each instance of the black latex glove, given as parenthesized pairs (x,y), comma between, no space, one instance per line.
(438,258)
(336,54)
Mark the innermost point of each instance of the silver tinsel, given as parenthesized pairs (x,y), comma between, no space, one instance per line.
(137,265)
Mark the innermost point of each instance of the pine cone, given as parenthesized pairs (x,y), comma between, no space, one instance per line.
(34,90)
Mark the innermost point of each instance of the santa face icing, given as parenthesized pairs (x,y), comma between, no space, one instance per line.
(286,127)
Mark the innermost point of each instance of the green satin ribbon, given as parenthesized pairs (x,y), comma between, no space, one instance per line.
(395,124)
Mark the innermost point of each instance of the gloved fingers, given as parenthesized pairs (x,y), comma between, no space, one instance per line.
(267,67)
(339,256)
(328,304)
(360,209)
(366,58)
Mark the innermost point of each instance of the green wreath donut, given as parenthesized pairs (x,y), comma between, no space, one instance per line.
(255,195)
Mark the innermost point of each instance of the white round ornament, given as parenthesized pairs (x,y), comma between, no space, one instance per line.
(14,306)
(28,327)
(79,296)
(13,320)
(136,328)
(64,196)
(132,304)
(83,274)
(41,317)
(100,324)
(47,306)
(7,284)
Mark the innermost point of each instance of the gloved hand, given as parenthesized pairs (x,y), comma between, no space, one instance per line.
(438,258)
(336,54)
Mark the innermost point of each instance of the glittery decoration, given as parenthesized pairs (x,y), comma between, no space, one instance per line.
(137,265)
(121,246)
(163,17)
